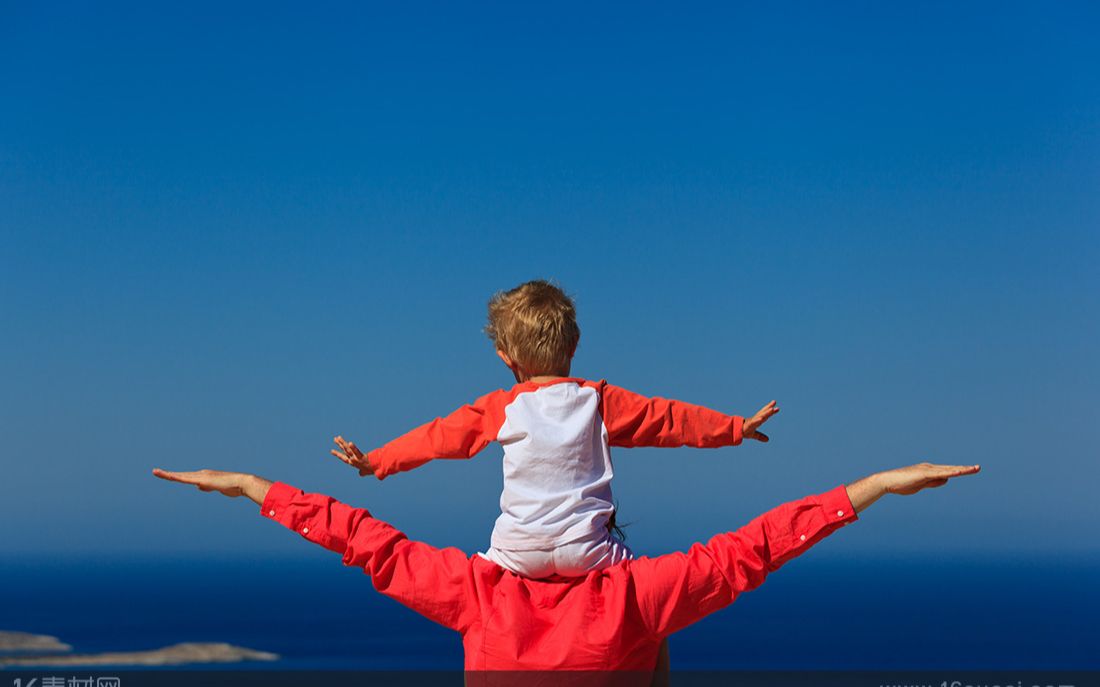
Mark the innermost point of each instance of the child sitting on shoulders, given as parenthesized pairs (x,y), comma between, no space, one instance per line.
(557,431)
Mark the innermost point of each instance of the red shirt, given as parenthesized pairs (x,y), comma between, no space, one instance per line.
(612,619)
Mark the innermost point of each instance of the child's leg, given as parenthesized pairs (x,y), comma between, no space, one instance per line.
(533,564)
(580,557)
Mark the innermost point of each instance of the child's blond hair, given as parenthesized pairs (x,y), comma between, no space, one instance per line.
(536,325)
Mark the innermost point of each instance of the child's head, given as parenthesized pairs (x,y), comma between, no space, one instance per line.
(534,329)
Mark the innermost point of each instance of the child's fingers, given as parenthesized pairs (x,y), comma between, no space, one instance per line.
(348,459)
(766,412)
(349,447)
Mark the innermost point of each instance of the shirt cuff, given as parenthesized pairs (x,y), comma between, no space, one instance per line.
(832,510)
(372,460)
(276,503)
(738,429)
(290,507)
(838,507)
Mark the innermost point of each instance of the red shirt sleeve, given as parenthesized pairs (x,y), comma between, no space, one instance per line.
(435,583)
(675,590)
(635,420)
(459,435)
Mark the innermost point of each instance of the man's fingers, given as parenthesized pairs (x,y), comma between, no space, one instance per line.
(204,482)
(185,477)
(759,436)
(954,470)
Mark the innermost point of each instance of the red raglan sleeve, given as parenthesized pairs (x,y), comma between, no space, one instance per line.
(675,590)
(635,420)
(459,435)
(436,583)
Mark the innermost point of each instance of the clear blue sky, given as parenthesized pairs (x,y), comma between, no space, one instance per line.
(229,233)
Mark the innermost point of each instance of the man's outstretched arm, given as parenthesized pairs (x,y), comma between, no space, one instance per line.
(433,582)
(678,589)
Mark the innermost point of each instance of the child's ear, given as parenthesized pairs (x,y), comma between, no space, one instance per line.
(507,360)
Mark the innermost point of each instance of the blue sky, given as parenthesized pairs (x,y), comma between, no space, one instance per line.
(228,234)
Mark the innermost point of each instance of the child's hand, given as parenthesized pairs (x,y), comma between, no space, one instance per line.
(748,429)
(352,456)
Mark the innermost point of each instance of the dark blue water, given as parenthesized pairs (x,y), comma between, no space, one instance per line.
(1025,613)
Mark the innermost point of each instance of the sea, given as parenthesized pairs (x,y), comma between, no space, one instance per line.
(914,612)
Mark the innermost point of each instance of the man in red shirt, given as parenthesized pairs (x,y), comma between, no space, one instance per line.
(609,620)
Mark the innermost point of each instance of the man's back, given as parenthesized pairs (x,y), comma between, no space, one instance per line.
(610,619)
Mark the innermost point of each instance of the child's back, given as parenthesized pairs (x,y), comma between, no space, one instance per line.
(557,466)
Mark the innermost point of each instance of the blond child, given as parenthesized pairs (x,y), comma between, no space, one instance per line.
(557,431)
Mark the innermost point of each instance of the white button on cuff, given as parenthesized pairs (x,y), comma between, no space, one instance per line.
(802,538)
(305,530)
(271,512)
(840,513)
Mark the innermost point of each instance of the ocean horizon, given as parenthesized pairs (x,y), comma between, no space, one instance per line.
(821,613)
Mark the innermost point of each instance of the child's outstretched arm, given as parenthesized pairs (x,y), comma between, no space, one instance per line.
(635,420)
(459,435)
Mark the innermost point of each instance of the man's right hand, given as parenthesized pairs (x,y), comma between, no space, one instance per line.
(350,454)
(910,480)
